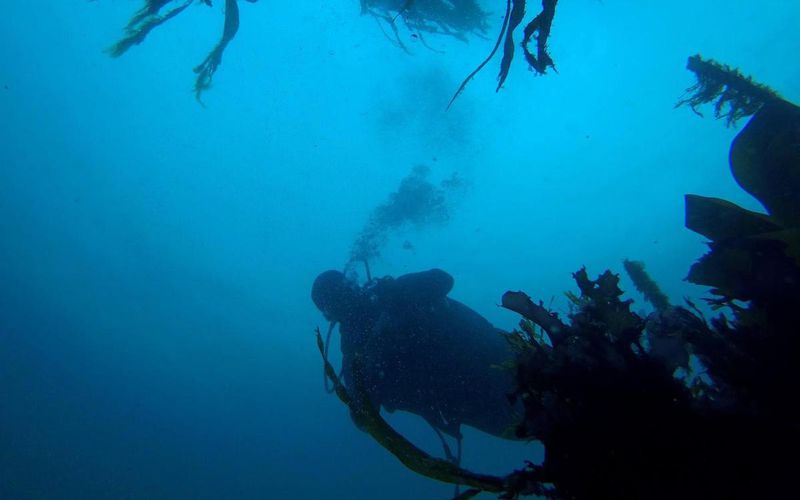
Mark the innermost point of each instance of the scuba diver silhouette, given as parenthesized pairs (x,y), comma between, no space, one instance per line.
(420,351)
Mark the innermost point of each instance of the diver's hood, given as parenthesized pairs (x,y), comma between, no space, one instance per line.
(333,294)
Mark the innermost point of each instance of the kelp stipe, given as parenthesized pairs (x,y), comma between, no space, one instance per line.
(149,17)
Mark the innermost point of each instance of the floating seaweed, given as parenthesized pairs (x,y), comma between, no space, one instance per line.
(537,29)
(454,18)
(143,22)
(205,70)
(150,16)
(734,95)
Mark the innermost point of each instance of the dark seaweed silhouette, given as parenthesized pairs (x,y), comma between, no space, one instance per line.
(454,18)
(150,16)
(538,29)
(645,285)
(734,95)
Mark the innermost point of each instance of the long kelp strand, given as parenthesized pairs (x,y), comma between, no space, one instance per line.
(144,26)
(205,70)
(488,58)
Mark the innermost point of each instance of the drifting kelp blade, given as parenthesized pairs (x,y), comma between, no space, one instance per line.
(515,18)
(540,29)
(646,285)
(488,58)
(137,35)
(205,70)
(718,219)
(151,8)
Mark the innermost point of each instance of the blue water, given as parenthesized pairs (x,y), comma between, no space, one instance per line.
(156,256)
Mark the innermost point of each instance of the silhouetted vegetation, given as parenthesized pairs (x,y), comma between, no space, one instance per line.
(645,285)
(734,95)
(453,18)
(152,15)
(537,30)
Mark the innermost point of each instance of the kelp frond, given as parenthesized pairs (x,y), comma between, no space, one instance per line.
(735,95)
(488,58)
(646,285)
(151,8)
(143,22)
(205,70)
(514,19)
(538,29)
(439,17)
(150,17)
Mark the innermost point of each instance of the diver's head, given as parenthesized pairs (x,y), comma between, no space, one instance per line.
(335,295)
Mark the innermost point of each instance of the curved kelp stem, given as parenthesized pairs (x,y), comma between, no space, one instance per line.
(403,9)
(151,8)
(725,86)
(150,17)
(515,17)
(143,22)
(368,419)
(540,26)
(488,58)
(327,345)
(538,29)
(205,70)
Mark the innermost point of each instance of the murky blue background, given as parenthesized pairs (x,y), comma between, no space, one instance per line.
(156,256)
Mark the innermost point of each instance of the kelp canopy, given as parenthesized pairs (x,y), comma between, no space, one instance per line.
(455,18)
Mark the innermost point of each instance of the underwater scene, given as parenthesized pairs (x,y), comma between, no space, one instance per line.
(399,249)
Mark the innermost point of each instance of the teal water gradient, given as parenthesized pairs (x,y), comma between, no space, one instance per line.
(156,256)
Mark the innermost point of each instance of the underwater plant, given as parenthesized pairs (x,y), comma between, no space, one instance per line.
(615,419)
(150,16)
(734,95)
(454,18)
(537,30)
(645,285)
